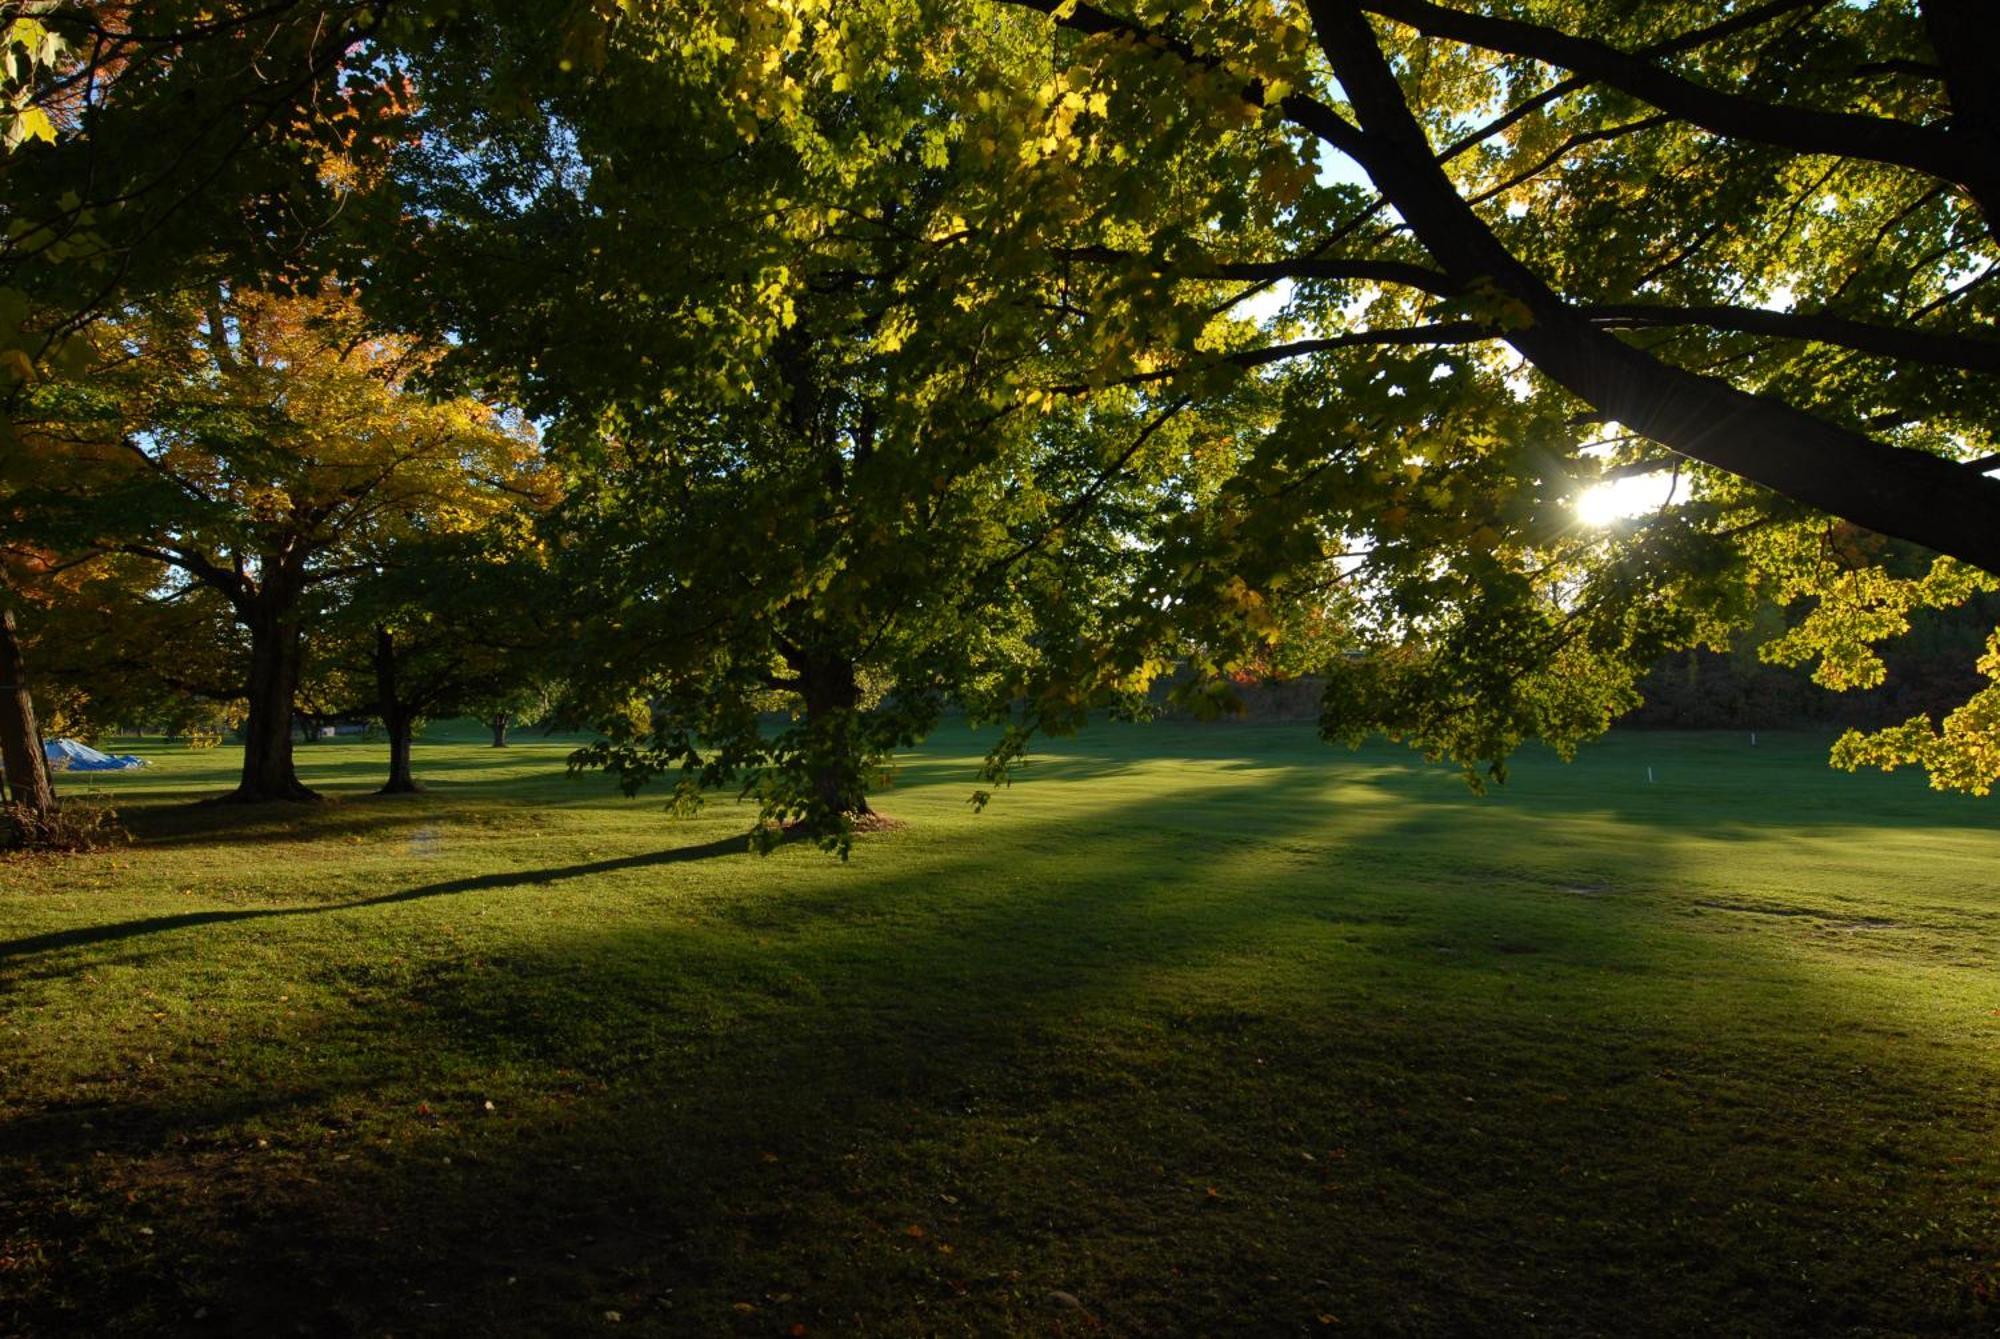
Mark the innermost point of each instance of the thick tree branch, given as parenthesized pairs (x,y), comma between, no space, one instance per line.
(1403,273)
(1420,277)
(1441,333)
(1966,40)
(1909,494)
(197,565)
(1438,333)
(1754,17)
(1965,352)
(1800,129)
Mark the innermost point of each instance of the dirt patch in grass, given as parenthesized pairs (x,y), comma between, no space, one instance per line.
(870,822)
(878,823)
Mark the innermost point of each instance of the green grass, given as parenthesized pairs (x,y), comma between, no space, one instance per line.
(1210,1029)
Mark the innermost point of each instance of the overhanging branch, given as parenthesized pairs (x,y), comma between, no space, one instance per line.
(1800,129)
(1965,352)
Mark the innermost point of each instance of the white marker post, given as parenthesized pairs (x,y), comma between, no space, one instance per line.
(1649,776)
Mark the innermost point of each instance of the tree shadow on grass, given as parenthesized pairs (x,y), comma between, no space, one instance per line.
(205,822)
(100,934)
(1710,784)
(1062,1084)
(94,1127)
(157,822)
(923,1103)
(963,771)
(688,1076)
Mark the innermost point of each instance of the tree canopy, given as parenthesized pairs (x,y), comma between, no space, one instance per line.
(1749,245)
(266,450)
(1013,353)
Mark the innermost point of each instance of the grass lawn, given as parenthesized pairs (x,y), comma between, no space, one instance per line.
(1195,1030)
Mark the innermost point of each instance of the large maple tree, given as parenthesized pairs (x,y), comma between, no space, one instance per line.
(267,449)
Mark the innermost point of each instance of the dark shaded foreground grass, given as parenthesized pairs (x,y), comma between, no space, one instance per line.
(1195,1031)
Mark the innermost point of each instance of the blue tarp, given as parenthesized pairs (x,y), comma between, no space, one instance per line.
(69,756)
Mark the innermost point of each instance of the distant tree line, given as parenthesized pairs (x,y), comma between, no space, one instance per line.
(1928,673)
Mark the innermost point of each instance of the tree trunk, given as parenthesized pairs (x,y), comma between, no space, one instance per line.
(833,706)
(499,722)
(402,727)
(1963,38)
(397,717)
(275,653)
(21,753)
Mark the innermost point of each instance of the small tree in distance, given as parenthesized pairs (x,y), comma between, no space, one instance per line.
(447,624)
